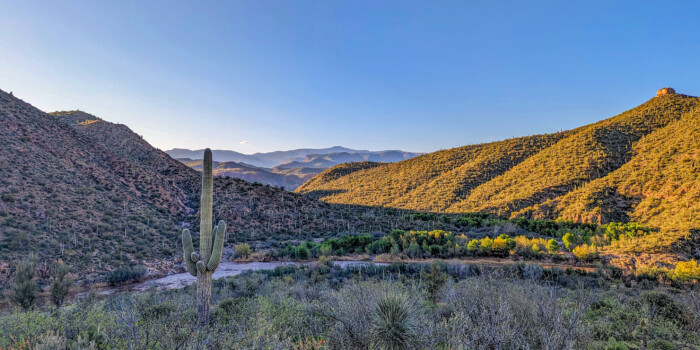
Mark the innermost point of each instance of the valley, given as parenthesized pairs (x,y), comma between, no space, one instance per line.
(349,175)
(94,197)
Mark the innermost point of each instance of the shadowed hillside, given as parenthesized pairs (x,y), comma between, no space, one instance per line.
(95,194)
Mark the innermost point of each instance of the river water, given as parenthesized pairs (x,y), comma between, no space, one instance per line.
(225,269)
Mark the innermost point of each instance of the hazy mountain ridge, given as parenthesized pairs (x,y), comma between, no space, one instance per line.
(287,169)
(302,155)
(287,178)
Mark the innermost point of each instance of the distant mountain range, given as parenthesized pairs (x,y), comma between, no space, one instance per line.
(287,169)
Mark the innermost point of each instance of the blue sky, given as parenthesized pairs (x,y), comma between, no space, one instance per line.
(412,75)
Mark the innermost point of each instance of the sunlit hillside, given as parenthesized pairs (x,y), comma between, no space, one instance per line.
(640,165)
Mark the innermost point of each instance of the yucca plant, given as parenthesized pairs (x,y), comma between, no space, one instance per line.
(394,325)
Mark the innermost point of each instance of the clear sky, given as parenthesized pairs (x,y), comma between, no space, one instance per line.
(413,75)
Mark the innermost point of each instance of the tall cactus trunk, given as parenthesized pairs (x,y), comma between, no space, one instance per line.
(211,243)
(204,296)
(205,242)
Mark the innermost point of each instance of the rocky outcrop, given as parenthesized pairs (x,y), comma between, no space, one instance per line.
(665,91)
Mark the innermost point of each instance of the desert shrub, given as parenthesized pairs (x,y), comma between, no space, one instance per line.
(25,289)
(379,246)
(126,274)
(61,284)
(569,240)
(243,250)
(552,246)
(325,250)
(614,230)
(664,306)
(586,252)
(502,245)
(302,252)
(467,221)
(613,344)
(413,250)
(661,344)
(435,278)
(687,270)
(530,271)
(51,341)
(479,307)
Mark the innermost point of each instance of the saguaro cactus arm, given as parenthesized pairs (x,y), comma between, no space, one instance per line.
(217,249)
(188,250)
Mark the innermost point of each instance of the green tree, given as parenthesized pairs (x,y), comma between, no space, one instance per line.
(25,289)
(395,250)
(413,250)
(435,279)
(485,245)
(326,250)
(569,240)
(686,270)
(61,284)
(586,252)
(302,252)
(473,246)
(615,345)
(243,250)
(552,246)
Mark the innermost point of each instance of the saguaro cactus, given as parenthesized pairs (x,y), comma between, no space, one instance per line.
(202,265)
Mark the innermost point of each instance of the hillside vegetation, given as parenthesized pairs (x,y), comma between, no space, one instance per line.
(96,195)
(398,306)
(641,165)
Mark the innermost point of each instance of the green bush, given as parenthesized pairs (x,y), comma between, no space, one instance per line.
(126,274)
(586,252)
(25,289)
(61,284)
(552,246)
(302,252)
(243,250)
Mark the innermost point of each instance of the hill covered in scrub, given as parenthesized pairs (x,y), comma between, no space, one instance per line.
(642,165)
(96,195)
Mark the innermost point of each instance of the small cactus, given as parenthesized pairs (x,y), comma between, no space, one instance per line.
(211,243)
